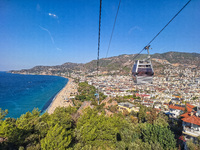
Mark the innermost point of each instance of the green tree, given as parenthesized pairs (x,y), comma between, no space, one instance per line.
(60,128)
(62,117)
(57,138)
(152,116)
(27,121)
(161,122)
(139,145)
(21,132)
(42,126)
(95,130)
(27,124)
(3,113)
(100,132)
(142,114)
(87,92)
(194,98)
(192,146)
(198,140)
(9,130)
(162,135)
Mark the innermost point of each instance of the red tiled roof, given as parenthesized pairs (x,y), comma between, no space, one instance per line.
(189,107)
(186,115)
(192,119)
(176,107)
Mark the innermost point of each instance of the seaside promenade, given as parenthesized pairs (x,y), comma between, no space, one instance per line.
(62,99)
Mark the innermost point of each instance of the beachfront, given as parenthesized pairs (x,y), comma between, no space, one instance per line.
(62,99)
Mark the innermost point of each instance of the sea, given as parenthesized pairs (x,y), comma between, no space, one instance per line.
(22,93)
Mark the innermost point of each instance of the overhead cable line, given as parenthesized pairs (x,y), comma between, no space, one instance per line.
(99,37)
(98,48)
(148,45)
(162,29)
(113,28)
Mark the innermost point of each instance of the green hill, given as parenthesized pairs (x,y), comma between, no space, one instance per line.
(121,64)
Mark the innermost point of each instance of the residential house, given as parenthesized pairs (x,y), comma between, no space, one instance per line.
(127,106)
(191,125)
(176,110)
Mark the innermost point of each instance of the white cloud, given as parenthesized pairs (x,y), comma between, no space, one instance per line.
(134,28)
(52,39)
(53,15)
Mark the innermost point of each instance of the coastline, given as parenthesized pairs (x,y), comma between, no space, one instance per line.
(62,99)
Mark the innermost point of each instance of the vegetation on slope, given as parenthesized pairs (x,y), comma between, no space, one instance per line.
(121,64)
(87,92)
(91,131)
(181,58)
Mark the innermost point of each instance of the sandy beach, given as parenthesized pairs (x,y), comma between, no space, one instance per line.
(62,99)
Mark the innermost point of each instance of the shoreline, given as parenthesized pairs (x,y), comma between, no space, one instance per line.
(62,98)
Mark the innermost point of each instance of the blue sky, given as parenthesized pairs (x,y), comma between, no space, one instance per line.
(52,32)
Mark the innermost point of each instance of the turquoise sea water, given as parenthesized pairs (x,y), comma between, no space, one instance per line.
(22,93)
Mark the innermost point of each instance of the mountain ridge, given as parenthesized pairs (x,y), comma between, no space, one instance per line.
(121,64)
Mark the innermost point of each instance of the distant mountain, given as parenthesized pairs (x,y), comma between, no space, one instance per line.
(121,64)
(51,70)
(181,58)
(124,63)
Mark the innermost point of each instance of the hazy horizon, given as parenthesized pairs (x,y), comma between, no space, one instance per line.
(86,62)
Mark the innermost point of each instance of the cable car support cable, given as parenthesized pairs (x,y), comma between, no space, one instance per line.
(97,94)
(142,69)
(113,28)
(162,29)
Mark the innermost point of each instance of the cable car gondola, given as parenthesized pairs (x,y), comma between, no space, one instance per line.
(143,70)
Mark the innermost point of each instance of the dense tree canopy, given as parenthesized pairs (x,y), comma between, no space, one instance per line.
(57,138)
(157,134)
(3,113)
(99,132)
(87,92)
(92,130)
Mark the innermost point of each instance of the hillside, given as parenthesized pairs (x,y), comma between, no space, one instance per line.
(66,67)
(121,64)
(181,58)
